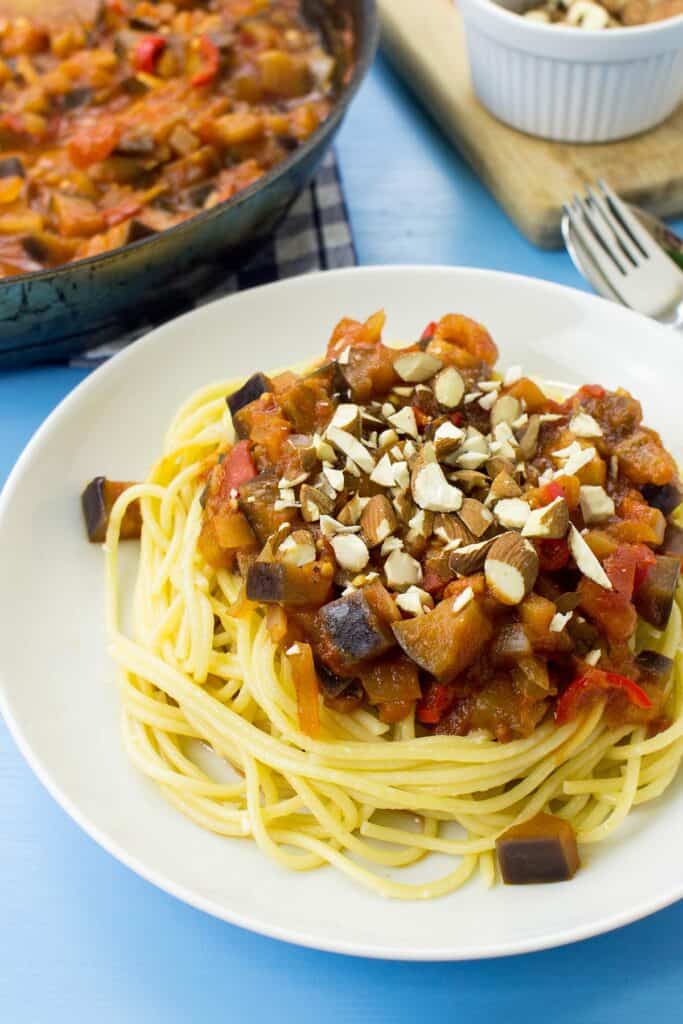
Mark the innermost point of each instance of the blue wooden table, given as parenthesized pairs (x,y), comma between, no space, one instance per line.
(84,939)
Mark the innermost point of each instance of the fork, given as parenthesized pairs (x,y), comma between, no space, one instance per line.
(637,271)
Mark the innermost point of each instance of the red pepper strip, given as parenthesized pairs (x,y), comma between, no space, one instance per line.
(429,331)
(595,680)
(211,61)
(239,466)
(147,52)
(434,703)
(117,214)
(552,554)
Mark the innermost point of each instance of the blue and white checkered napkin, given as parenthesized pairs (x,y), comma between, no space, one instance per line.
(315,235)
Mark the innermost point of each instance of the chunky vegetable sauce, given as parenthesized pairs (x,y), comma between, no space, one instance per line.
(427,535)
(123,126)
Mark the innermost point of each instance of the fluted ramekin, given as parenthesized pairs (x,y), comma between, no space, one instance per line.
(569,84)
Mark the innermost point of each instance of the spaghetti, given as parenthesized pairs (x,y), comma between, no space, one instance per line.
(200,670)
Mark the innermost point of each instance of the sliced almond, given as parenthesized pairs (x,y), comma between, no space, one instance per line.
(330,527)
(506,409)
(404,505)
(596,504)
(378,520)
(577,461)
(416,367)
(401,475)
(469,479)
(586,561)
(404,421)
(511,568)
(323,450)
(528,441)
(334,477)
(559,621)
(475,516)
(512,513)
(488,401)
(447,439)
(550,522)
(504,486)
(314,503)
(499,464)
(402,570)
(387,438)
(471,460)
(463,599)
(347,417)
(352,510)
(429,486)
(383,473)
(415,601)
(351,446)
(584,425)
(297,549)
(350,551)
(389,545)
(449,528)
(422,523)
(449,388)
(470,558)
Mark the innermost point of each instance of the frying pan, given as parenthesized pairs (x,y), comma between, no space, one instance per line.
(54,314)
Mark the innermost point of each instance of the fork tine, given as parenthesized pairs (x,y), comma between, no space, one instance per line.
(607,243)
(590,244)
(643,238)
(620,236)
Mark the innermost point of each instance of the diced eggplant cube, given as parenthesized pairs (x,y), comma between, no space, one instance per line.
(666,498)
(257,502)
(352,632)
(542,849)
(252,389)
(77,97)
(137,229)
(673,541)
(655,667)
(98,500)
(331,684)
(655,597)
(279,583)
(12,167)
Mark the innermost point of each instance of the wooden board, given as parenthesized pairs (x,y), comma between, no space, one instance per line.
(530,178)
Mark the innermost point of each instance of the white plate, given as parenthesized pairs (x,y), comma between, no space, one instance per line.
(57,685)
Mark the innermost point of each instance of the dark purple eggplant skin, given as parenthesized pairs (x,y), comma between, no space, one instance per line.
(531,861)
(666,498)
(95,510)
(11,167)
(673,541)
(252,389)
(655,667)
(331,684)
(266,582)
(354,630)
(655,597)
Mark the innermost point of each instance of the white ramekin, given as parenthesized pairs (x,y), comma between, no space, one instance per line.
(569,84)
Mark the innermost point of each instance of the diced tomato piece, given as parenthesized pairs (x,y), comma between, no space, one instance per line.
(592,682)
(627,568)
(239,466)
(436,702)
(552,554)
(610,611)
(93,144)
(567,487)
